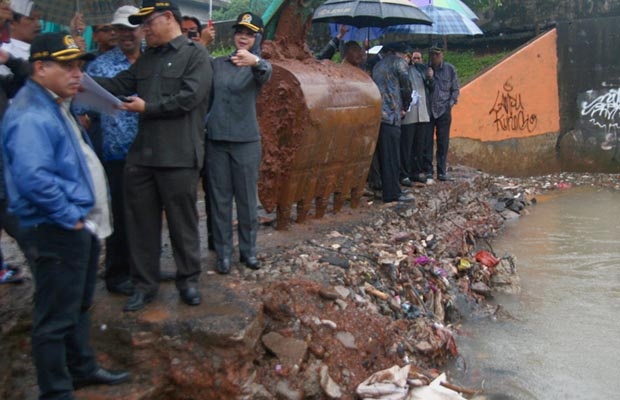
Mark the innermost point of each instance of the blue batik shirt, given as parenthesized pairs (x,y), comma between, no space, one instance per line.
(119,131)
(391,75)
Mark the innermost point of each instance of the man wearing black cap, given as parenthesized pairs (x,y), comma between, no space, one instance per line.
(57,189)
(172,80)
(443,98)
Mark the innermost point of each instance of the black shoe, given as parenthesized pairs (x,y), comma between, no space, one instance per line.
(406,182)
(402,198)
(102,376)
(125,288)
(223,266)
(138,301)
(444,178)
(250,262)
(190,296)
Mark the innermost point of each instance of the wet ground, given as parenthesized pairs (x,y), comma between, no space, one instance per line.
(360,273)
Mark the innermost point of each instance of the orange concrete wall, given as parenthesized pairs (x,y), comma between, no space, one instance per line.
(517,98)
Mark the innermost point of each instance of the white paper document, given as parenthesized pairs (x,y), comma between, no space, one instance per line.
(96,97)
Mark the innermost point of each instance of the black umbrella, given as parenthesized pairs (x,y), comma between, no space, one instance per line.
(364,13)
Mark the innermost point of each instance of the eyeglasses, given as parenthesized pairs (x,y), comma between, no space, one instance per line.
(149,21)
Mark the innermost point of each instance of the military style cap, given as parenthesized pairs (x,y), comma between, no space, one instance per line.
(57,46)
(436,48)
(250,21)
(150,6)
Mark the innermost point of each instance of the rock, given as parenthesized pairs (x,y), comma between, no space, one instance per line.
(290,351)
(481,288)
(347,340)
(317,349)
(342,291)
(312,382)
(337,261)
(258,392)
(342,304)
(285,392)
(328,294)
(331,388)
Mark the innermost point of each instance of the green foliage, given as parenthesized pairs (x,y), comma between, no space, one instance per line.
(221,51)
(481,4)
(468,64)
(236,7)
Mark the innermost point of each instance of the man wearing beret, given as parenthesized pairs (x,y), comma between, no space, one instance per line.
(443,98)
(57,189)
(172,80)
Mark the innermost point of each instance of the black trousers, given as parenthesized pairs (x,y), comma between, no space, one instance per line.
(441,128)
(233,172)
(388,154)
(413,141)
(64,271)
(205,189)
(117,259)
(149,192)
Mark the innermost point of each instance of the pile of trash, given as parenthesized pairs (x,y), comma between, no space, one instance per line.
(384,293)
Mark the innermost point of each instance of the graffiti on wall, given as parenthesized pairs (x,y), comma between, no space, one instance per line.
(508,112)
(600,112)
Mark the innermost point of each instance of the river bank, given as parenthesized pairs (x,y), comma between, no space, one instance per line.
(337,300)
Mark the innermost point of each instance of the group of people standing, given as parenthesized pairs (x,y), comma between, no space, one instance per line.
(417,99)
(151,157)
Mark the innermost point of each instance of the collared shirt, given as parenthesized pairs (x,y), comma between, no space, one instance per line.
(175,82)
(446,92)
(233,115)
(391,76)
(17,49)
(419,111)
(99,219)
(120,130)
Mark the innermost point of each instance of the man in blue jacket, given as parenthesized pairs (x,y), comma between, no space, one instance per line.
(57,189)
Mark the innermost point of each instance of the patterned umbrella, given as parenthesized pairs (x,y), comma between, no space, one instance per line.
(357,34)
(364,13)
(456,5)
(101,11)
(95,11)
(445,22)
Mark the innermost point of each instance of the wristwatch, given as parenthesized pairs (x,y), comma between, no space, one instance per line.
(257,60)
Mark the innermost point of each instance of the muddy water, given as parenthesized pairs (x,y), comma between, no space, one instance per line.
(564,340)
